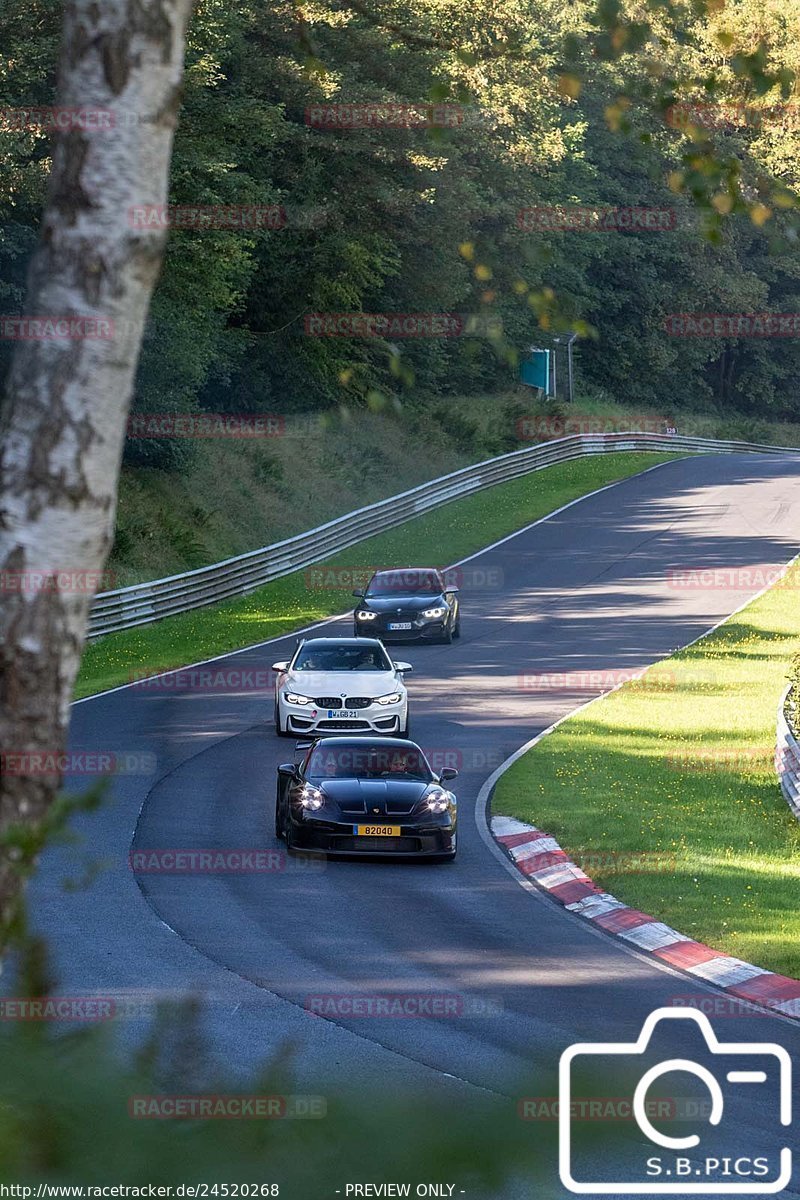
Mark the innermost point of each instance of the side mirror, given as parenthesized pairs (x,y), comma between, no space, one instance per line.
(448,773)
(450,591)
(358,591)
(286,769)
(402,666)
(280,666)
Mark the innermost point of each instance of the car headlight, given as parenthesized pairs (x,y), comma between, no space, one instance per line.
(434,612)
(293,698)
(392,698)
(364,614)
(311,797)
(439,800)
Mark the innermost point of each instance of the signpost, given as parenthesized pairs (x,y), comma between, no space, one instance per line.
(535,369)
(539,368)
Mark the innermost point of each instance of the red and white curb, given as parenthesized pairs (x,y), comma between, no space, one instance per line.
(540,859)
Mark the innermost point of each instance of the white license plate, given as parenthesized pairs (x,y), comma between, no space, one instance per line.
(399,624)
(346,713)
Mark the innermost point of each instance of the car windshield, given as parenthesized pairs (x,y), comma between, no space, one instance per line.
(413,583)
(344,657)
(348,760)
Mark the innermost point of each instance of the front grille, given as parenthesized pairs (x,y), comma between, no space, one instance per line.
(401,845)
(328,701)
(343,725)
(358,702)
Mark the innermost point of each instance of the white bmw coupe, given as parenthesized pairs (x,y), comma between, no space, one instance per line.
(341,685)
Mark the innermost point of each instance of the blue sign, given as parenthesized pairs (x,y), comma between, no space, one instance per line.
(535,370)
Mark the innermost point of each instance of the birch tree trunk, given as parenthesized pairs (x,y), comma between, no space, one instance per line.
(63,418)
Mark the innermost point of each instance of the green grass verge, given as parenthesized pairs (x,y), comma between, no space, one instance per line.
(666,790)
(443,536)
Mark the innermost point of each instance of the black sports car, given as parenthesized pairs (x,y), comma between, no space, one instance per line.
(367,795)
(406,605)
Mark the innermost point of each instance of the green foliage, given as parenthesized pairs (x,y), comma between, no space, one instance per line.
(66,1112)
(558,106)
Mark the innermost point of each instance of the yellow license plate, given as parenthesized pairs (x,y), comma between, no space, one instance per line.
(377,830)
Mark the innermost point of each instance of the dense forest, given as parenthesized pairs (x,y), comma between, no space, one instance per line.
(420,159)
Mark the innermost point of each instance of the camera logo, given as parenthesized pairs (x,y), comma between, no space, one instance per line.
(708,1170)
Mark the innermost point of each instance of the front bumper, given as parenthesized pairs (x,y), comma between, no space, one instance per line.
(421,630)
(338,837)
(304,719)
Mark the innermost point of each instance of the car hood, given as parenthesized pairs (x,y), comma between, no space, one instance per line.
(374,797)
(412,603)
(343,683)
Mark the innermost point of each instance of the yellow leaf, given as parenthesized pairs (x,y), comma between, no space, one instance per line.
(483,272)
(722,202)
(760,214)
(467,250)
(675,181)
(569,85)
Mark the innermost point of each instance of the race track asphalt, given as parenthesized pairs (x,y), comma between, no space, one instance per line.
(587,590)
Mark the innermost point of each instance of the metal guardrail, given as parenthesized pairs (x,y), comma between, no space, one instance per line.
(787,757)
(142,603)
